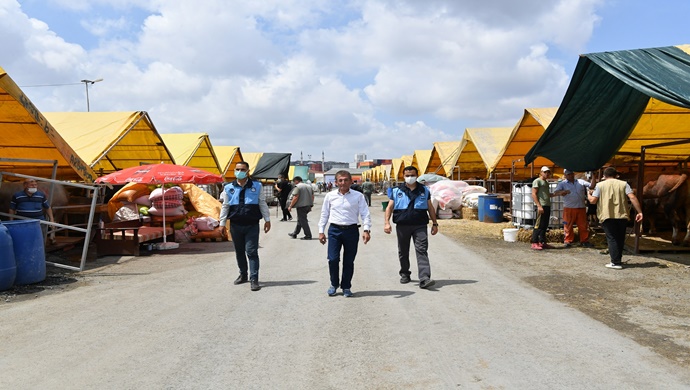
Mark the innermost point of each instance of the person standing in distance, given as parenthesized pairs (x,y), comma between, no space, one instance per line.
(343,209)
(367,190)
(411,209)
(32,203)
(541,196)
(283,187)
(574,193)
(303,200)
(612,210)
(245,205)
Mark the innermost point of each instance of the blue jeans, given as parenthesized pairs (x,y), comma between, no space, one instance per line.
(246,241)
(348,240)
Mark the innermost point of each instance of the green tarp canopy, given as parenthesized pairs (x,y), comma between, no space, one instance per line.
(617,102)
(271,165)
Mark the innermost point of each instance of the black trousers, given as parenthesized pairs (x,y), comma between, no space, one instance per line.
(541,224)
(615,237)
(283,206)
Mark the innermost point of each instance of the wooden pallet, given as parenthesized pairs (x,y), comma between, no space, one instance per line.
(654,244)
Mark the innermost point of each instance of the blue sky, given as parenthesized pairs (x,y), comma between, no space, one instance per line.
(381,77)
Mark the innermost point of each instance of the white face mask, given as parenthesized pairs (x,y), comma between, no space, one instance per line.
(410,179)
(32,190)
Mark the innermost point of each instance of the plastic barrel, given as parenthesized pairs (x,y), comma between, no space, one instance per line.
(29,250)
(8,266)
(490,208)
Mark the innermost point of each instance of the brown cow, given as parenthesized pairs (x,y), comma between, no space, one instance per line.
(60,198)
(672,194)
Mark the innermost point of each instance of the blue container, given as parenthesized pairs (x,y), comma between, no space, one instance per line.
(490,208)
(29,250)
(8,266)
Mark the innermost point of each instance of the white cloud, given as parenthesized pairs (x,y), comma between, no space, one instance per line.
(379,77)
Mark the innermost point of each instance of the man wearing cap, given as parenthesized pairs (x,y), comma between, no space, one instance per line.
(542,199)
(574,193)
(612,210)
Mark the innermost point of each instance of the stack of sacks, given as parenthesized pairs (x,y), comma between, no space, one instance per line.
(173,202)
(447,194)
(470,196)
(132,197)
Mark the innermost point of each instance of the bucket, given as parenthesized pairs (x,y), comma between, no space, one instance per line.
(490,208)
(385,204)
(29,250)
(510,235)
(8,266)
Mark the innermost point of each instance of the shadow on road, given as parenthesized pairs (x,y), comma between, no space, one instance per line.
(276,283)
(450,282)
(383,293)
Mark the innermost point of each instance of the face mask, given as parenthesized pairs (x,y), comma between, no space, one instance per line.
(410,179)
(240,174)
(32,190)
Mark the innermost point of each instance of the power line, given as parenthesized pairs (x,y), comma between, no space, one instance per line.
(47,85)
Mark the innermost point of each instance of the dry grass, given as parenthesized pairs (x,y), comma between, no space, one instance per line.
(474,228)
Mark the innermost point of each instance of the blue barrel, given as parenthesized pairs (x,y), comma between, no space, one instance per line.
(8,266)
(29,250)
(490,208)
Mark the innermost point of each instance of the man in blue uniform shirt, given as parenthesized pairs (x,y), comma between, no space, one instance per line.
(411,209)
(245,205)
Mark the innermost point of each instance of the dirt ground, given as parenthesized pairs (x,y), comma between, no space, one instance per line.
(648,300)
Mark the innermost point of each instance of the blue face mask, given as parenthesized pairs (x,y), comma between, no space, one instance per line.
(240,174)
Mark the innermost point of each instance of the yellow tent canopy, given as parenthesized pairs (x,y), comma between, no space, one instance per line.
(111,141)
(525,133)
(445,156)
(192,150)
(386,172)
(406,162)
(481,151)
(25,133)
(227,157)
(659,123)
(396,169)
(253,159)
(420,159)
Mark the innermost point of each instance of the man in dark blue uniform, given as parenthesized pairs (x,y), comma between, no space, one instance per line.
(245,204)
(411,209)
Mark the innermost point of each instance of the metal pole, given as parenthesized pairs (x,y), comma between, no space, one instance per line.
(637,227)
(86,85)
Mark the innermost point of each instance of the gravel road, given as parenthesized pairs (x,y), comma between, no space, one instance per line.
(174,320)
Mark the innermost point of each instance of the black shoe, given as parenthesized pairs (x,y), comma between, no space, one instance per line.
(426,283)
(241,279)
(404,279)
(305,238)
(293,235)
(283,220)
(255,285)
(290,219)
(586,244)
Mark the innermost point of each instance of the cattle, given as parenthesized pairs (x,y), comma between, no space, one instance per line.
(671,193)
(60,198)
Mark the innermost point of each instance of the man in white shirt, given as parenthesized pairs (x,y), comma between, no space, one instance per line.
(343,210)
